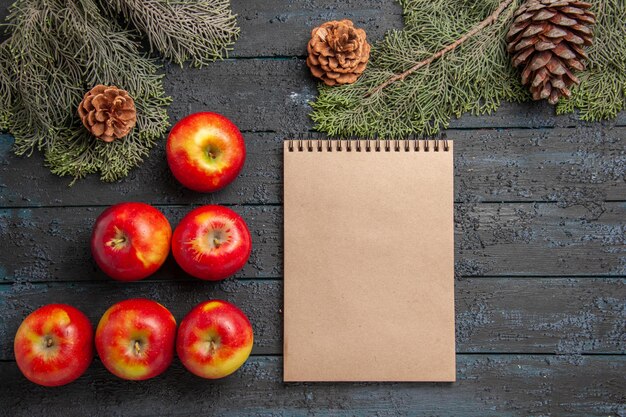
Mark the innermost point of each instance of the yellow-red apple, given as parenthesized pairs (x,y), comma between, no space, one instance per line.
(214,339)
(130,241)
(205,151)
(54,345)
(135,339)
(211,243)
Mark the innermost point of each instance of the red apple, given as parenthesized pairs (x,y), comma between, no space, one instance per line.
(135,339)
(54,345)
(205,151)
(211,243)
(214,339)
(130,241)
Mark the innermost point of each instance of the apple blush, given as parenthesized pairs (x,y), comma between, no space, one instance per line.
(211,243)
(205,151)
(54,345)
(135,339)
(214,339)
(130,241)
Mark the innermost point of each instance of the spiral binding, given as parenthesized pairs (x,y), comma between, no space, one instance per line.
(412,144)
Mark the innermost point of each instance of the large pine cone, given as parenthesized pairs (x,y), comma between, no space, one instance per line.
(338,52)
(108,112)
(547,39)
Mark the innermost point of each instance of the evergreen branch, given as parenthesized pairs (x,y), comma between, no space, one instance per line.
(472,78)
(6,86)
(450,47)
(58,49)
(202,31)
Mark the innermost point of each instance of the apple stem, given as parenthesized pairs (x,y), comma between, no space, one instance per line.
(216,243)
(117,241)
(212,347)
(49,342)
(137,347)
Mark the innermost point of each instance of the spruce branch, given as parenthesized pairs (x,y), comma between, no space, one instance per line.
(58,49)
(474,77)
(450,47)
(202,31)
(6,86)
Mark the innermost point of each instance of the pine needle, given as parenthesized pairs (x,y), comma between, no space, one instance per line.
(473,78)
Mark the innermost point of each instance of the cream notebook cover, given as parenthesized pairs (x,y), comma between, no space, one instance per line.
(369,260)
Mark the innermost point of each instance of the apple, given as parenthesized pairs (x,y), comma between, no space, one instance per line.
(205,151)
(130,241)
(214,339)
(135,339)
(54,345)
(211,243)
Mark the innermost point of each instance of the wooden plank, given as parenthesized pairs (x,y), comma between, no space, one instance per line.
(52,244)
(27,182)
(256,94)
(488,385)
(279,28)
(570,166)
(260,300)
(539,239)
(262,95)
(533,315)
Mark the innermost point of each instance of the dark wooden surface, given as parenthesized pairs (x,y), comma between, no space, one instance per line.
(540,251)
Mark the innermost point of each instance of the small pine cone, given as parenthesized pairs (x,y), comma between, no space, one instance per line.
(338,52)
(547,39)
(108,112)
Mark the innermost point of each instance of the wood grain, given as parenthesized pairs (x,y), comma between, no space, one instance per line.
(488,385)
(288,24)
(564,316)
(52,244)
(569,166)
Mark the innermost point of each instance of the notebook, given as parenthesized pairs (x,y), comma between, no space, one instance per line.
(368,260)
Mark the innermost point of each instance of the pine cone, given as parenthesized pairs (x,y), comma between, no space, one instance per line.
(338,52)
(108,112)
(547,39)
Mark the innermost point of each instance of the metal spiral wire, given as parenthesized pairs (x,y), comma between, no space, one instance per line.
(313,143)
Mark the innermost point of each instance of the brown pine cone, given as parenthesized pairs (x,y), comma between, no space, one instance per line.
(547,39)
(338,52)
(108,112)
